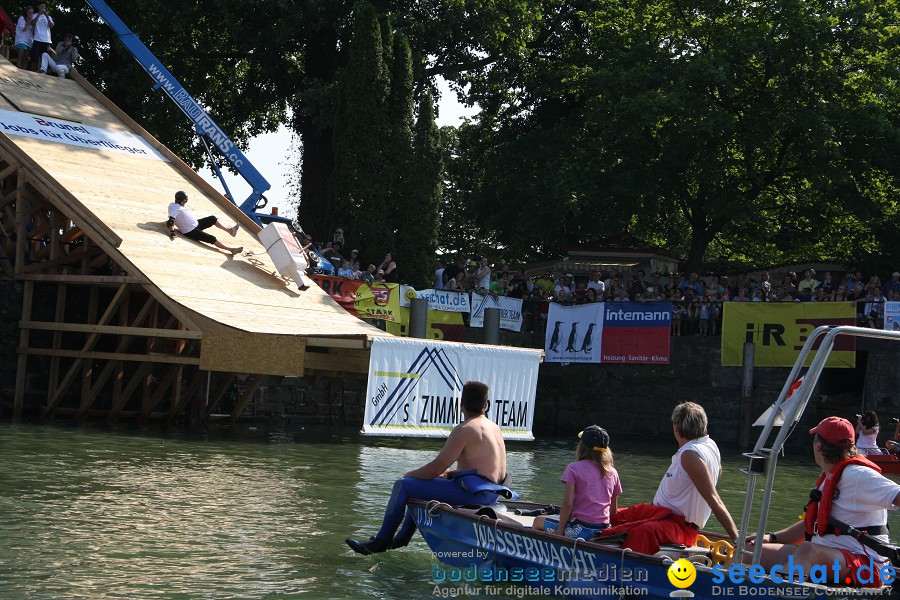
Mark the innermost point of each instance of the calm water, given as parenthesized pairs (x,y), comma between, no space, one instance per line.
(91,513)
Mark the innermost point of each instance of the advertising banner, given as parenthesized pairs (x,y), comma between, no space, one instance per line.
(636,332)
(779,329)
(341,289)
(381,301)
(510,311)
(442,325)
(892,316)
(76,134)
(573,333)
(609,332)
(445,300)
(415,385)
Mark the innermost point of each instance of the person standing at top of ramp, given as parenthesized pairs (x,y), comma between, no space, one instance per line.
(191,227)
(42,22)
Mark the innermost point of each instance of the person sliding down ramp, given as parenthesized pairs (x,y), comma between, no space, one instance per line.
(192,227)
(477,447)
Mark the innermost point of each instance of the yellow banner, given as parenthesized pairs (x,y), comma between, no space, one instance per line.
(780,329)
(381,301)
(442,325)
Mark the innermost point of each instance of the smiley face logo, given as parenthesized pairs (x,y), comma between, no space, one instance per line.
(682,573)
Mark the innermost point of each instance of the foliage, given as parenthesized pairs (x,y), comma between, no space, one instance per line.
(743,123)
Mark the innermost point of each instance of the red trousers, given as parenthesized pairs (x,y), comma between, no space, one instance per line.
(648,526)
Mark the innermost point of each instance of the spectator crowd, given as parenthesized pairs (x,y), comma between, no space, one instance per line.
(697,301)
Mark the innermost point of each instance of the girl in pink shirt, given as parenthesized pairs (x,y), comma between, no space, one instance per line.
(592,486)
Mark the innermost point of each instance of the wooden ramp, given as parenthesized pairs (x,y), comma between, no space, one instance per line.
(84,196)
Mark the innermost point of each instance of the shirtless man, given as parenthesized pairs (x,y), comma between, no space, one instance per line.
(476,446)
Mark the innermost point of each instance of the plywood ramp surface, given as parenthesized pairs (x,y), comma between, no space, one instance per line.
(130,196)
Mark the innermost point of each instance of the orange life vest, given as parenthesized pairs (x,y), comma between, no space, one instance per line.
(818,511)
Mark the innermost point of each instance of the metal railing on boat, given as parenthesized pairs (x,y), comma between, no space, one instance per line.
(763,459)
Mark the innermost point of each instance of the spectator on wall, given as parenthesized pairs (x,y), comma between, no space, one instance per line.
(875,309)
(333,254)
(439,274)
(483,273)
(388,268)
(692,282)
(596,284)
(892,285)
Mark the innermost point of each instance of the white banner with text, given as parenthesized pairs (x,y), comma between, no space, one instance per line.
(415,386)
(445,300)
(510,311)
(76,134)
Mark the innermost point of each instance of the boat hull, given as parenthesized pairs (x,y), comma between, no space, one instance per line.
(889,463)
(487,551)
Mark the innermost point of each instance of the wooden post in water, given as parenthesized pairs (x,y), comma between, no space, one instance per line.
(746,418)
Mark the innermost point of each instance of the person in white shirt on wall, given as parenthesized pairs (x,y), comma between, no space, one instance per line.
(41,22)
(192,227)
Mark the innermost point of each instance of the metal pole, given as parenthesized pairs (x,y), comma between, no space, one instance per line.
(492,326)
(746,417)
(418,318)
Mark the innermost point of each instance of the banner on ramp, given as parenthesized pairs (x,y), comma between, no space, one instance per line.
(415,386)
(76,134)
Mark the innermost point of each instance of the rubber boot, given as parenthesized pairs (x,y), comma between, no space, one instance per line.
(405,535)
(371,547)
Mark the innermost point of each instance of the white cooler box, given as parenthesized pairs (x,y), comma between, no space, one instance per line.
(282,246)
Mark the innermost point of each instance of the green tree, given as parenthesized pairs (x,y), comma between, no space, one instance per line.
(417,236)
(701,126)
(359,198)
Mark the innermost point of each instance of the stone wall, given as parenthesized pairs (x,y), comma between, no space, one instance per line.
(631,401)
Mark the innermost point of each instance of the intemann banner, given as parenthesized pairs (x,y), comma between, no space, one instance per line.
(415,385)
(779,330)
(609,332)
(510,311)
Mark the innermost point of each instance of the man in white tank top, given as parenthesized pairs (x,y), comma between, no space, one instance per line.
(686,495)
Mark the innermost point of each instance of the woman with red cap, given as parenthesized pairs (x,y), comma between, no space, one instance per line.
(852,490)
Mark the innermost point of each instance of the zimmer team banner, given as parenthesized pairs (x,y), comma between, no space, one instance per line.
(510,311)
(414,387)
(780,329)
(609,332)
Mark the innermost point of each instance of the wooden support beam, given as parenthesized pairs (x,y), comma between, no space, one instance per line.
(12,168)
(219,393)
(60,316)
(171,359)
(171,379)
(72,257)
(80,356)
(22,363)
(255,382)
(139,377)
(21,226)
(115,365)
(131,330)
(87,366)
(188,394)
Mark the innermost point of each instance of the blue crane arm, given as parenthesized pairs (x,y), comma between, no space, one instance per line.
(203,123)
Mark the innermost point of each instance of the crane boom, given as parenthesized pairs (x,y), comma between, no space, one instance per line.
(204,125)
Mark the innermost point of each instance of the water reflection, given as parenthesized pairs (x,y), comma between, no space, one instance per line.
(100,514)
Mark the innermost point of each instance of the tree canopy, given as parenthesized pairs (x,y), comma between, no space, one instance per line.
(750,131)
